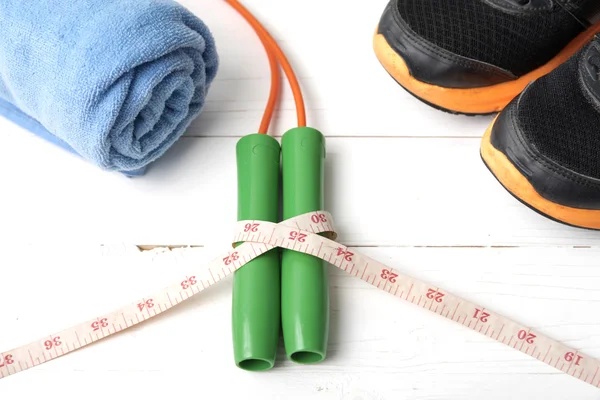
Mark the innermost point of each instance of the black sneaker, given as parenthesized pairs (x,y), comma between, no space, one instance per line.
(474,56)
(544,147)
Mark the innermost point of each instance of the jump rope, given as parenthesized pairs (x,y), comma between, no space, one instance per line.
(287,291)
(283,285)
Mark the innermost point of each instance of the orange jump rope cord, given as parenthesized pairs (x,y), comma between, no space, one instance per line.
(271,46)
(275,76)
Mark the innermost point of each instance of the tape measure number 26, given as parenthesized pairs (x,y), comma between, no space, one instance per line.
(313,234)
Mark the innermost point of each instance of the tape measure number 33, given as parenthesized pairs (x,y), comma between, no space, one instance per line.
(313,234)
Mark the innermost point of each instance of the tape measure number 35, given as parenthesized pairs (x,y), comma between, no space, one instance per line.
(313,234)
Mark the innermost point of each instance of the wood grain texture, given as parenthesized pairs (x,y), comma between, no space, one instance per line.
(380,347)
(348,93)
(381,191)
(404,182)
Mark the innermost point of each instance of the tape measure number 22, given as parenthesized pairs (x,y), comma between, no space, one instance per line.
(313,234)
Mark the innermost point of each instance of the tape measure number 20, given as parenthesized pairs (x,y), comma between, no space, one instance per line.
(313,234)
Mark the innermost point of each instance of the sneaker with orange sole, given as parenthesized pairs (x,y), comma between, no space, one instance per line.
(475,56)
(544,147)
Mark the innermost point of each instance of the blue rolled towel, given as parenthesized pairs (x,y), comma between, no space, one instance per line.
(114,81)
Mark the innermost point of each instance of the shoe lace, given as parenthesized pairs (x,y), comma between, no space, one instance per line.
(572,10)
(594,61)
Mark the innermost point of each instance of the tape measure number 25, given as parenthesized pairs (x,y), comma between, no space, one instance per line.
(314,234)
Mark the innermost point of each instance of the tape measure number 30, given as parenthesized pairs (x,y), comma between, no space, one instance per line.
(313,234)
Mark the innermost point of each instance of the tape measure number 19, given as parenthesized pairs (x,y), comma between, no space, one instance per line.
(313,234)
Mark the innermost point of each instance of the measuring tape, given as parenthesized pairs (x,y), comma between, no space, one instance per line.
(312,233)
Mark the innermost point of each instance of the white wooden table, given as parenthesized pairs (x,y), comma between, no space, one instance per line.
(405,184)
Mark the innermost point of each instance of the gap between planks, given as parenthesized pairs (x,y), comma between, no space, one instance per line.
(149,247)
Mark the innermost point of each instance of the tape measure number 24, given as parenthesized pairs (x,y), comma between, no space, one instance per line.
(313,234)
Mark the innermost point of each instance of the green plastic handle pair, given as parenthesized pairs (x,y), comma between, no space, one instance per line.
(282,289)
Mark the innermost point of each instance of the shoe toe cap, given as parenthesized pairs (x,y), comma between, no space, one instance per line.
(432,64)
(551,180)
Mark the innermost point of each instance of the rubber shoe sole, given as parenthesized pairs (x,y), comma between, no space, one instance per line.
(471,101)
(520,187)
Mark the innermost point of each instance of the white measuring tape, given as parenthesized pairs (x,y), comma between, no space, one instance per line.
(302,234)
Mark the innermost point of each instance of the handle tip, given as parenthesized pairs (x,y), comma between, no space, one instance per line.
(255,364)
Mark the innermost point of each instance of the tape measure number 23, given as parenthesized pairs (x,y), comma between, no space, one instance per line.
(313,234)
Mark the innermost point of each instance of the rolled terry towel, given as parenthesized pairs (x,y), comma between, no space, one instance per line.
(115,81)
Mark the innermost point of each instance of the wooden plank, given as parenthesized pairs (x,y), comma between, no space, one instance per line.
(347,91)
(379,345)
(408,188)
(381,192)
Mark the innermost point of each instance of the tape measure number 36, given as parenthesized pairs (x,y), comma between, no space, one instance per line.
(313,234)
